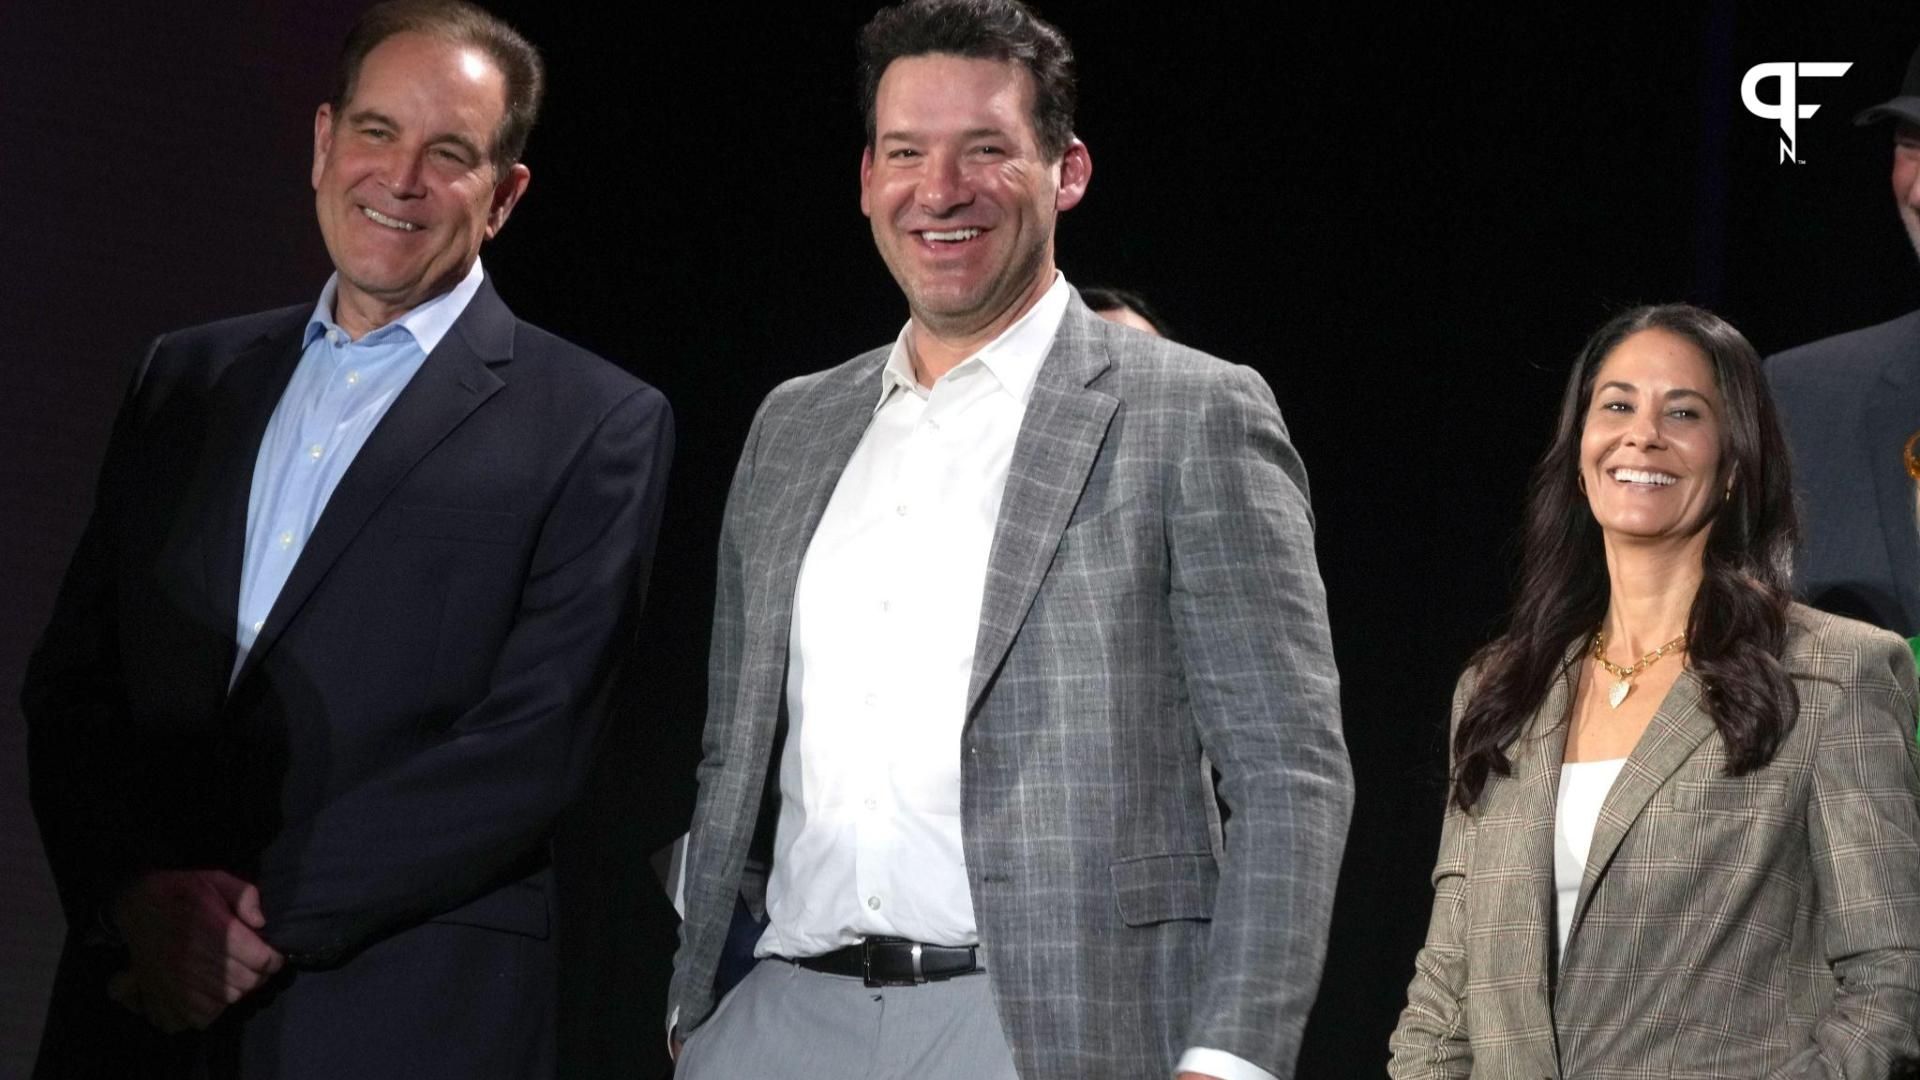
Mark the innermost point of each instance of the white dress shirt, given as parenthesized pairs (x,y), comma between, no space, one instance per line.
(885,612)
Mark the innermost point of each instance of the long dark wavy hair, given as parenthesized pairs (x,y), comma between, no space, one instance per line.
(1738,623)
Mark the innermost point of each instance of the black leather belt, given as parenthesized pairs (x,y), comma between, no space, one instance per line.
(892,961)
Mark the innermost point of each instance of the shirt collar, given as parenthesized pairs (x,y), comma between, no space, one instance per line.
(427,323)
(1013,358)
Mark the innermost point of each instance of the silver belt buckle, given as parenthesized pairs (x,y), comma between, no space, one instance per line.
(918,976)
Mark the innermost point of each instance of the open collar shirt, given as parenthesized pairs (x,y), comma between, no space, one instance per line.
(886,608)
(339,392)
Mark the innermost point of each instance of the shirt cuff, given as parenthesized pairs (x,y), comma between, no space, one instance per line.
(1221,1064)
(677,876)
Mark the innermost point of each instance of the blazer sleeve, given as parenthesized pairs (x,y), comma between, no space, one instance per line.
(709,904)
(83,763)
(1250,621)
(1430,1042)
(471,805)
(1863,831)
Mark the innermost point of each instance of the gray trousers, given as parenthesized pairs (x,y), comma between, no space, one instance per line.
(784,1022)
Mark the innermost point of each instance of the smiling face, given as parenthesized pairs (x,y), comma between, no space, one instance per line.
(402,183)
(961,198)
(1651,445)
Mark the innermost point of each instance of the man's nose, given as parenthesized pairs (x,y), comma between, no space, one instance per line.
(404,173)
(943,186)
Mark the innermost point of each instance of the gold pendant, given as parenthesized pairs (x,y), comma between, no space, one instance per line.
(1618,693)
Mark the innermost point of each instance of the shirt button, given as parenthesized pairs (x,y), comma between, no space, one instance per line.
(870,700)
(901,509)
(873,804)
(257,625)
(873,903)
(352,377)
(333,337)
(886,606)
(286,539)
(315,451)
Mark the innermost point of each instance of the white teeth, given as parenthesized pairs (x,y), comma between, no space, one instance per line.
(1641,476)
(952,235)
(382,219)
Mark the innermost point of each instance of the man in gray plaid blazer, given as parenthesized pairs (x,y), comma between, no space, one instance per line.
(991,599)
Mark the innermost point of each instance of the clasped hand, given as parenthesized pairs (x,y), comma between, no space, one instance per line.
(193,944)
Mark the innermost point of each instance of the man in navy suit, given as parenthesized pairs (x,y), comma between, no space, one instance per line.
(1852,409)
(334,649)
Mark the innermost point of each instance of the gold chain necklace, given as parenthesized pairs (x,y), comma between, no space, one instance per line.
(1623,676)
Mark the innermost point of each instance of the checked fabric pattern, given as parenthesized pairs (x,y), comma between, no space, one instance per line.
(1765,925)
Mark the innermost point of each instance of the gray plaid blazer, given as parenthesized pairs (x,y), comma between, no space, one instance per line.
(1151,594)
(1766,925)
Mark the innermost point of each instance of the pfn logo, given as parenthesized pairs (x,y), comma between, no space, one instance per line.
(1788,109)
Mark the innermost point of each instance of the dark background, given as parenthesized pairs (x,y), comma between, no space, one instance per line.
(1407,225)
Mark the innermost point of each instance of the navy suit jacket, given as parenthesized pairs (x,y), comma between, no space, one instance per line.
(418,708)
(1849,403)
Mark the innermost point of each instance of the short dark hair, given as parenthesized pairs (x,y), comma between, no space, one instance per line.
(1004,30)
(463,24)
(1737,627)
(1107,298)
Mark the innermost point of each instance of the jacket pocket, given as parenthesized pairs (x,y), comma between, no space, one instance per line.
(516,908)
(449,523)
(1160,888)
(1720,794)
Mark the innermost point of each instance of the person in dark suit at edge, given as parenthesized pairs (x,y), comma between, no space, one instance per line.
(1851,407)
(988,599)
(335,646)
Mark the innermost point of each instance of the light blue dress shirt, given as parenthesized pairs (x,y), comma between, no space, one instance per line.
(337,396)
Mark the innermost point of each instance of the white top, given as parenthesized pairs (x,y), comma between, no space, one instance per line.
(885,612)
(1583,787)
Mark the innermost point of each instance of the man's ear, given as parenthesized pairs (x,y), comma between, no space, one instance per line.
(322,141)
(506,195)
(1076,169)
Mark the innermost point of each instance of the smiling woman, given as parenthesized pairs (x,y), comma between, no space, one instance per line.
(1650,451)
(1663,508)
(1724,799)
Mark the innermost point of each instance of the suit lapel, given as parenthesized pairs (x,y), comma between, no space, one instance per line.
(1060,436)
(1674,733)
(244,401)
(1538,766)
(1893,417)
(833,426)
(451,383)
